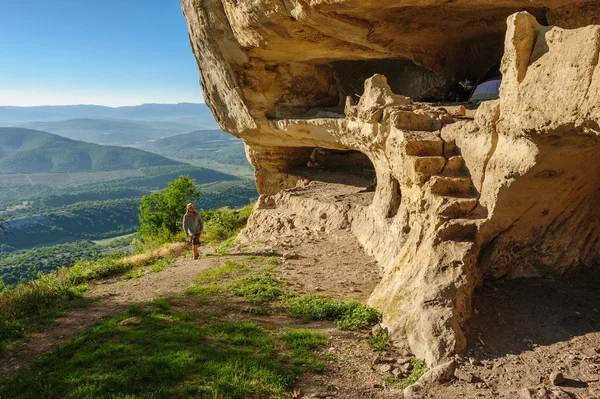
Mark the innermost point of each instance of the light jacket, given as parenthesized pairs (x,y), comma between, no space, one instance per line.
(193,224)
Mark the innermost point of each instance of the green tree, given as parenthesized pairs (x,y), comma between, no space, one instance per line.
(163,211)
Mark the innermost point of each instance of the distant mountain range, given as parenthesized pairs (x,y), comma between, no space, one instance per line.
(214,145)
(32,151)
(115,132)
(198,115)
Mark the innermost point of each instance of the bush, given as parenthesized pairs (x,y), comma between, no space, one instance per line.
(223,223)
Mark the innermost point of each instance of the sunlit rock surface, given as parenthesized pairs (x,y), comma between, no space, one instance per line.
(330,98)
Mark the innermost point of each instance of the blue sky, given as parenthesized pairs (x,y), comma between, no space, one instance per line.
(108,52)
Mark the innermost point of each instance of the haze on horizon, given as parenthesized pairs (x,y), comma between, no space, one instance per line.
(110,53)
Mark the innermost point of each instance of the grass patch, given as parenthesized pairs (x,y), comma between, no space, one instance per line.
(380,342)
(162,303)
(134,274)
(161,265)
(224,248)
(226,269)
(273,261)
(259,288)
(416,373)
(20,303)
(302,344)
(166,354)
(348,315)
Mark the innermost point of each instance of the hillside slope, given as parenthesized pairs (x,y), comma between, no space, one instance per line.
(32,151)
(214,145)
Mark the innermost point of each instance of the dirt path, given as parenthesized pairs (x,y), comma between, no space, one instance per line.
(332,265)
(111,296)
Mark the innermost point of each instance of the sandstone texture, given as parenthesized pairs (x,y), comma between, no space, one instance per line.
(329,97)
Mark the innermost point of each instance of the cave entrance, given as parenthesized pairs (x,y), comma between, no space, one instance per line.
(404,77)
(346,173)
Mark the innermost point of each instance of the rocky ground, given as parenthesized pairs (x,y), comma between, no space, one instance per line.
(524,332)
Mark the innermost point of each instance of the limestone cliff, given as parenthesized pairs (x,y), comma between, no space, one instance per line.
(328,97)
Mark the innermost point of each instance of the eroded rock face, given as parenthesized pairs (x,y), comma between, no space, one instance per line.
(440,200)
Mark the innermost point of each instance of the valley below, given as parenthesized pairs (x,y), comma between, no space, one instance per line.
(60,196)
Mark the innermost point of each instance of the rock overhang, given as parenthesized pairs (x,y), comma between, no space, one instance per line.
(455,199)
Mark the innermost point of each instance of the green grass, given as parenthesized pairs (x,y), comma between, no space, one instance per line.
(226,269)
(259,288)
(348,315)
(18,313)
(416,373)
(20,304)
(161,265)
(302,344)
(273,261)
(168,354)
(134,274)
(380,342)
(162,303)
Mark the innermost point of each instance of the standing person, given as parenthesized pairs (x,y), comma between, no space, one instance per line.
(193,226)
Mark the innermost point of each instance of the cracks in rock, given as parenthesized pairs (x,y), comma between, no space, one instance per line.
(491,152)
(595,60)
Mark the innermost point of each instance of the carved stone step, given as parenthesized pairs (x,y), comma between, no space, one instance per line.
(449,148)
(459,230)
(450,186)
(453,207)
(424,144)
(455,166)
(427,167)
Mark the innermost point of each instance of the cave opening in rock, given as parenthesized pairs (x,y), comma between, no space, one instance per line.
(403,76)
(347,171)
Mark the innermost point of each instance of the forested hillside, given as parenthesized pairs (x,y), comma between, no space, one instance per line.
(207,145)
(57,229)
(32,151)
